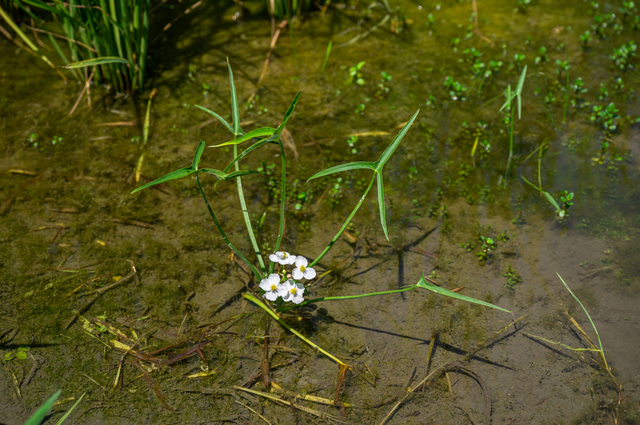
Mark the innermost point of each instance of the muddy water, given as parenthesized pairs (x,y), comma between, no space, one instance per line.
(70,226)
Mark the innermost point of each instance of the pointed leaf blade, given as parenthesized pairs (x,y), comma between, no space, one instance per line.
(235,115)
(383,212)
(43,411)
(547,195)
(247,151)
(363,165)
(222,176)
(96,61)
(392,147)
(218,117)
(287,115)
(258,132)
(198,154)
(422,283)
(174,175)
(509,98)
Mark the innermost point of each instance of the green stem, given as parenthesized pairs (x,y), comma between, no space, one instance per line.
(223,234)
(546,107)
(245,214)
(283,196)
(506,173)
(260,304)
(348,297)
(346,223)
(566,96)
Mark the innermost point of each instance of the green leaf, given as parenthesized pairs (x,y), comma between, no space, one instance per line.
(287,115)
(235,116)
(96,61)
(383,212)
(218,117)
(546,194)
(174,175)
(507,102)
(519,90)
(8,356)
(422,283)
(222,176)
(196,157)
(42,412)
(64,417)
(258,132)
(392,147)
(178,174)
(247,151)
(21,355)
(345,167)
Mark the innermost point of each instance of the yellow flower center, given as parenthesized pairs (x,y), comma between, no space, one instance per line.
(274,287)
(302,268)
(293,290)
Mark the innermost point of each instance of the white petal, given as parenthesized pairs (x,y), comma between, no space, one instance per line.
(297,298)
(274,258)
(309,273)
(265,285)
(282,290)
(297,274)
(287,296)
(271,295)
(291,259)
(301,261)
(274,279)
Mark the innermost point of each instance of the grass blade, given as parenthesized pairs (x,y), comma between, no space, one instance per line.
(422,283)
(42,412)
(383,212)
(326,56)
(363,165)
(287,115)
(519,90)
(235,116)
(97,61)
(258,132)
(218,117)
(64,417)
(546,194)
(174,175)
(392,147)
(347,297)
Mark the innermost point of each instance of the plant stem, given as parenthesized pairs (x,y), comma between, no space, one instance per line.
(283,196)
(260,304)
(245,214)
(347,297)
(346,223)
(223,234)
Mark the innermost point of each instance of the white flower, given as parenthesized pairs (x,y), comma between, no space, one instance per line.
(273,288)
(302,270)
(294,291)
(282,258)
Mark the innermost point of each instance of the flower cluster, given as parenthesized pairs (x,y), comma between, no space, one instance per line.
(289,289)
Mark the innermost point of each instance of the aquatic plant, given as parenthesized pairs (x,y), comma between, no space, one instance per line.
(283,288)
(113,39)
(510,106)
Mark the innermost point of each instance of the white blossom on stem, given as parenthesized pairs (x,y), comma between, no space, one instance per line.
(294,291)
(302,270)
(283,258)
(273,288)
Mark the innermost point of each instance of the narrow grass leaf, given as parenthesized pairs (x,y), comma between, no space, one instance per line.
(258,132)
(422,283)
(222,176)
(383,212)
(64,417)
(218,117)
(247,151)
(546,194)
(507,102)
(96,61)
(363,165)
(196,157)
(235,115)
(174,175)
(42,412)
(287,115)
(392,147)
(519,90)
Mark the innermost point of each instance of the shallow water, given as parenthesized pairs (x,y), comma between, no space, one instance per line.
(70,221)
